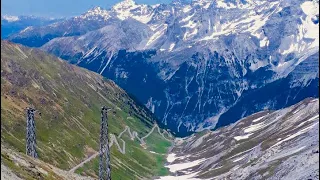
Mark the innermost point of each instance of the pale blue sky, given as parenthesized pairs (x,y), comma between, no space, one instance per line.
(58,8)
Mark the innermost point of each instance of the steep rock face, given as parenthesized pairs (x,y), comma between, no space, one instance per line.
(200,95)
(195,64)
(127,34)
(281,144)
(301,83)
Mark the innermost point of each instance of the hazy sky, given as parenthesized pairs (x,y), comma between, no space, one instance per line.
(58,8)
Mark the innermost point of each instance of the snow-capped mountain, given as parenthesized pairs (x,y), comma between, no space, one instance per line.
(197,65)
(9,18)
(93,19)
(281,144)
(129,9)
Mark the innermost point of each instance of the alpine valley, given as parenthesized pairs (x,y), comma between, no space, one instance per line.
(68,100)
(196,65)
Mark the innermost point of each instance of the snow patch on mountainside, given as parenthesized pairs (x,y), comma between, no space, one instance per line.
(183,177)
(281,151)
(308,35)
(181,166)
(238,138)
(310,8)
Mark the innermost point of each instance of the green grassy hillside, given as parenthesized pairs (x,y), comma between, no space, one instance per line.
(69,99)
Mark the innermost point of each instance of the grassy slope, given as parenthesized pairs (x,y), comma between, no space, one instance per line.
(154,161)
(69,99)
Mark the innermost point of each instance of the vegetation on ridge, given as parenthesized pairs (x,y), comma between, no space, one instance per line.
(69,99)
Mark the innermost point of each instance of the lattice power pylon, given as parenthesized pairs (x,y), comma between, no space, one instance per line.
(31,134)
(104,164)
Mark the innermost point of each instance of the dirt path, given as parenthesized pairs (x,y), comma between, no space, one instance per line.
(83,162)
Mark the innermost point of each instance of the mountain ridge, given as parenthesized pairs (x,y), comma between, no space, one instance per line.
(266,145)
(202,55)
(69,99)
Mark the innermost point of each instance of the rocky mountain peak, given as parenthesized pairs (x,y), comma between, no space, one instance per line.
(96,12)
(130,9)
(125,4)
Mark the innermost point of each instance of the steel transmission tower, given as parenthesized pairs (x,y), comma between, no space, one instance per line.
(104,164)
(31,134)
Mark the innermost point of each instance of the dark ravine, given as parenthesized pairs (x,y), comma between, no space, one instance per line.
(141,80)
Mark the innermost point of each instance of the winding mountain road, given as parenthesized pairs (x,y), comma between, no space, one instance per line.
(113,140)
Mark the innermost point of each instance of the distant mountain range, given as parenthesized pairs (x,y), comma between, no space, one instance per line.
(14,24)
(197,65)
